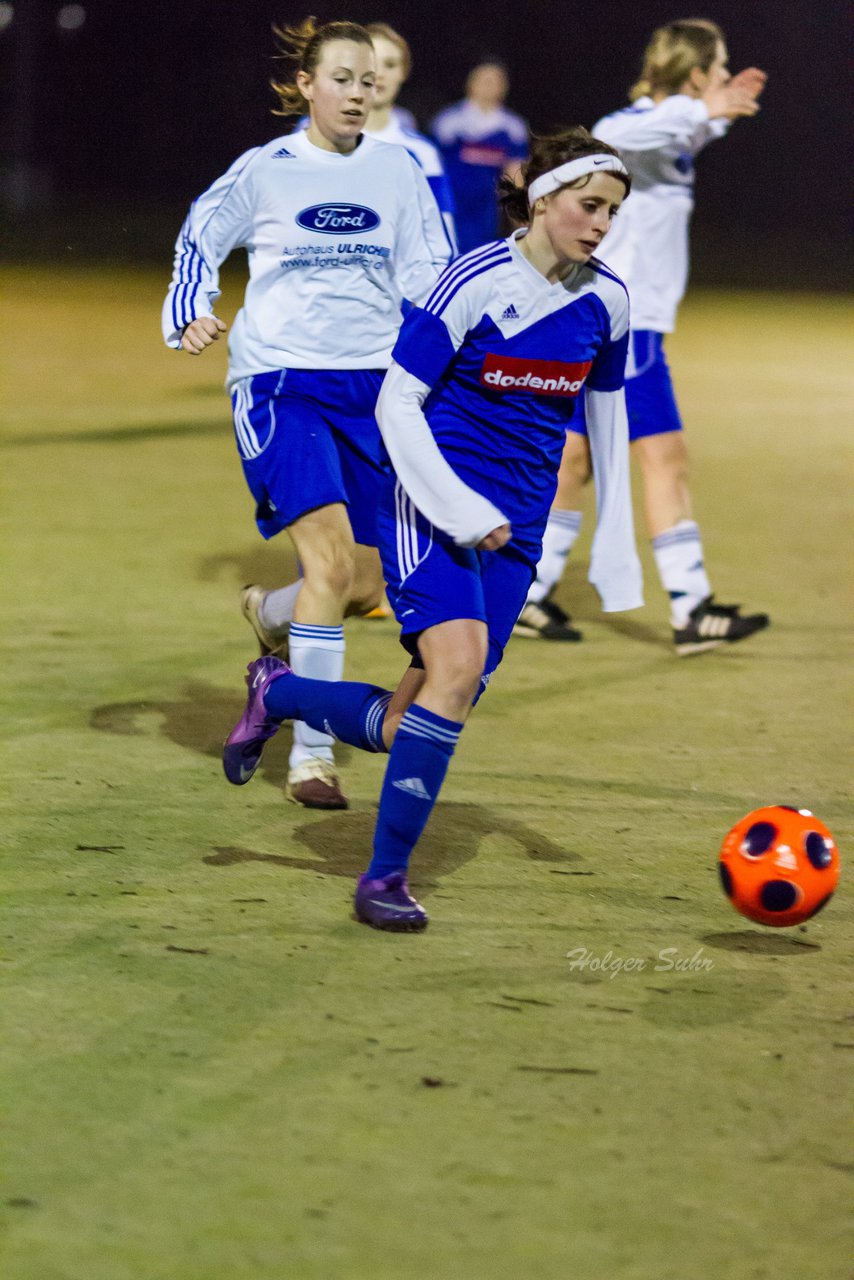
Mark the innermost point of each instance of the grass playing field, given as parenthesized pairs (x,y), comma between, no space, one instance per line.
(210,1071)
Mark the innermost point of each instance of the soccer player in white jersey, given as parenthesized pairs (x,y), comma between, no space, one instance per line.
(473,411)
(340,229)
(684,100)
(394,65)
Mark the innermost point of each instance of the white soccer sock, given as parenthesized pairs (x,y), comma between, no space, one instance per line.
(679,558)
(317,652)
(561,532)
(277,608)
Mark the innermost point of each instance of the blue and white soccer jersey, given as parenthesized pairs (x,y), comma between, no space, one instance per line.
(650,399)
(335,244)
(427,157)
(647,245)
(497,356)
(476,147)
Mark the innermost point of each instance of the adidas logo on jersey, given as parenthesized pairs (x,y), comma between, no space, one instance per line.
(414,786)
(510,313)
(282,154)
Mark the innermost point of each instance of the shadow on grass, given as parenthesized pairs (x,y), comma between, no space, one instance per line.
(199,720)
(339,844)
(119,435)
(763,944)
(271,564)
(580,599)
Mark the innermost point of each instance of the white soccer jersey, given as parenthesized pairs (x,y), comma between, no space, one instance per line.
(422,150)
(335,244)
(648,242)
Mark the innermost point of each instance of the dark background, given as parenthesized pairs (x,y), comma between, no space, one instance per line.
(108,131)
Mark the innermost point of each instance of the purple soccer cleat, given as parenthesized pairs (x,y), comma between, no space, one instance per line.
(388,904)
(241,754)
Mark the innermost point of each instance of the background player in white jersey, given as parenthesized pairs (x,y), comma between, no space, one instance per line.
(394,65)
(481,141)
(684,100)
(339,230)
(473,411)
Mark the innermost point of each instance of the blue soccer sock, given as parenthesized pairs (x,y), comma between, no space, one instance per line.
(417,764)
(349,711)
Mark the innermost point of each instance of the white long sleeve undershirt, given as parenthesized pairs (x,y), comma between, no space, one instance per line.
(432,484)
(467,517)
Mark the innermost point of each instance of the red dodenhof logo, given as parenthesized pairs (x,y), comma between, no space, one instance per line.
(542,377)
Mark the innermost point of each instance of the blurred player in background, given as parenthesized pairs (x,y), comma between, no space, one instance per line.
(480,141)
(339,230)
(684,99)
(473,411)
(394,65)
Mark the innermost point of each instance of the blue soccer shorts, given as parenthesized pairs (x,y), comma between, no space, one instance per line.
(650,400)
(308,438)
(431,580)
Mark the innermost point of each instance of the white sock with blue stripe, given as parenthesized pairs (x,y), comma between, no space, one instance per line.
(562,530)
(417,764)
(679,558)
(316,652)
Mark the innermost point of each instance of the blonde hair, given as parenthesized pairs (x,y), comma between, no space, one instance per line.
(673,53)
(303,46)
(385,32)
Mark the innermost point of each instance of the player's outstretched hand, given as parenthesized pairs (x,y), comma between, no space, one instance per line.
(751,79)
(201,333)
(736,98)
(498,538)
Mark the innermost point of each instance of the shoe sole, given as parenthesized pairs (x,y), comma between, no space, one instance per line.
(688,649)
(343,803)
(281,650)
(414,927)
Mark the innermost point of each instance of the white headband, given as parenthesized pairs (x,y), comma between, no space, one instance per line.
(564,173)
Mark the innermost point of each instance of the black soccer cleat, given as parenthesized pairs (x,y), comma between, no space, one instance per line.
(545,620)
(711,625)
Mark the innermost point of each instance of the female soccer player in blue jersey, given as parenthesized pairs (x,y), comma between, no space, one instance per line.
(480,140)
(684,100)
(339,229)
(473,411)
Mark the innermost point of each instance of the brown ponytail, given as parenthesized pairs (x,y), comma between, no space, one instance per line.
(548,153)
(303,46)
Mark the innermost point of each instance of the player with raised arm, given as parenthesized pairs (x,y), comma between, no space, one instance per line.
(685,99)
(339,229)
(473,411)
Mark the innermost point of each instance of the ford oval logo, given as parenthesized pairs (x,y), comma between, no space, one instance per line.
(338,219)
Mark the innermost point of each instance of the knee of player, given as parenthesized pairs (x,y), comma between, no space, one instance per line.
(459,675)
(333,570)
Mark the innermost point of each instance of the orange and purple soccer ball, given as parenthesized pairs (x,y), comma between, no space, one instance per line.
(779,865)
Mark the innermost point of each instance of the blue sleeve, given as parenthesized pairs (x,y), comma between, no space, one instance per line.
(424,347)
(441,189)
(517,150)
(609,367)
